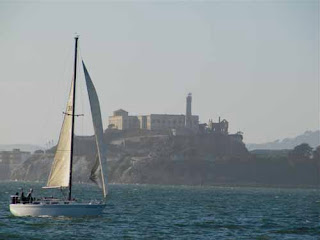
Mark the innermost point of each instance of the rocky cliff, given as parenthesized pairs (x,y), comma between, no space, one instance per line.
(157,158)
(145,158)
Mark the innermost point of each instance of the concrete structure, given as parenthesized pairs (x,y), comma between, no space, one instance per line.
(189,122)
(122,121)
(152,122)
(168,121)
(219,127)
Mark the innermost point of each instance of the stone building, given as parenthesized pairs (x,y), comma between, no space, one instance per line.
(169,121)
(219,127)
(122,121)
(151,122)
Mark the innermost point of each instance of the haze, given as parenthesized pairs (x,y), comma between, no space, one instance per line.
(255,64)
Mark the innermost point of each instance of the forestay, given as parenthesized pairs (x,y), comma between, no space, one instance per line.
(97,174)
(60,170)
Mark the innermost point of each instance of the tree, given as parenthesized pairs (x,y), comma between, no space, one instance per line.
(316,154)
(316,159)
(301,152)
(39,151)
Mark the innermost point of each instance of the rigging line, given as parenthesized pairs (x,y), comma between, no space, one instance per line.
(80,55)
(81,92)
(87,121)
(52,99)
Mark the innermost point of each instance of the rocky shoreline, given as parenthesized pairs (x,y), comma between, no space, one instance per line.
(139,158)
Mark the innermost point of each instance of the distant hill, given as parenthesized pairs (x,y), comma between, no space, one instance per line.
(310,137)
(22,147)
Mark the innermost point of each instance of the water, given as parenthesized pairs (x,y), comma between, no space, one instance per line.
(175,212)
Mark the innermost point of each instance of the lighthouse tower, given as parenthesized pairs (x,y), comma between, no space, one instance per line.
(188,111)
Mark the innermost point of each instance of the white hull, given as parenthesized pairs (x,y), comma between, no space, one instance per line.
(54,210)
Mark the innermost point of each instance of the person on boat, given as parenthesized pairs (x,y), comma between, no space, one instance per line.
(29,196)
(15,198)
(22,197)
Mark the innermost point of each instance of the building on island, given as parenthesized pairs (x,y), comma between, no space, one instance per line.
(122,121)
(150,122)
(219,127)
(189,122)
(178,124)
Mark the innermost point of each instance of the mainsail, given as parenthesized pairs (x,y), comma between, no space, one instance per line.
(97,175)
(60,170)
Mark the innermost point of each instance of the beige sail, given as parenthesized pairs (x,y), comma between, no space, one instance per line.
(97,174)
(60,170)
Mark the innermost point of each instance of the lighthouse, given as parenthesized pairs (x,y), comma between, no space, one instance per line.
(188,111)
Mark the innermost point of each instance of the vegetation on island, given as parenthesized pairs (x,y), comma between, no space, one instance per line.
(207,159)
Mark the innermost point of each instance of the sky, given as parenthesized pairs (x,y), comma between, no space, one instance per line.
(254,63)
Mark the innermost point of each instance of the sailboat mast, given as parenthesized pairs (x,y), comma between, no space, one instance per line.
(73,113)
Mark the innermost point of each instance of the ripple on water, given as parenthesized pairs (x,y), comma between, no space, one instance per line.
(173,212)
(300,231)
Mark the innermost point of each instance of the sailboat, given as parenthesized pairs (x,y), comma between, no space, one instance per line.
(61,171)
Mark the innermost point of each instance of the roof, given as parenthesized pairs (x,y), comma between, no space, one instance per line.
(120,110)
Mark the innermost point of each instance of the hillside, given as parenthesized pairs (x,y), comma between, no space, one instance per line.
(310,137)
(140,158)
(23,147)
(157,158)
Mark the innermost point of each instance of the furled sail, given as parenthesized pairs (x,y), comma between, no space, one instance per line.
(97,174)
(60,170)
